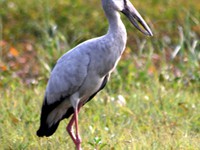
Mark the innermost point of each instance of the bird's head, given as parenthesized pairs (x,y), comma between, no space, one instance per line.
(130,12)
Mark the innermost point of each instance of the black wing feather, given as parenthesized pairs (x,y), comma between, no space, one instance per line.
(44,129)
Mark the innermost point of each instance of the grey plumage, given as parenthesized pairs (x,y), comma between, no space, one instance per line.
(83,71)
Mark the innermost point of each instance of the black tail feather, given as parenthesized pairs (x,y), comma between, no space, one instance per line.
(44,129)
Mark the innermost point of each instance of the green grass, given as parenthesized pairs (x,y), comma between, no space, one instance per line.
(152,100)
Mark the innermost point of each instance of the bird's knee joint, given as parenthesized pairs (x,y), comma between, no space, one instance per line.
(69,129)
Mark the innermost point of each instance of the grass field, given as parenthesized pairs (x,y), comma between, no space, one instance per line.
(152,100)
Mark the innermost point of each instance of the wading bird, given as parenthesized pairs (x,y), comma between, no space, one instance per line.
(83,71)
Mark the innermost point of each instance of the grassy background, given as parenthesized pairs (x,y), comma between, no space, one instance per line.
(152,100)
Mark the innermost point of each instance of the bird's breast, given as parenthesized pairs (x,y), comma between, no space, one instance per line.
(107,56)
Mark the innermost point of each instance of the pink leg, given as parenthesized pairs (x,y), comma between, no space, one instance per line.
(69,128)
(77,139)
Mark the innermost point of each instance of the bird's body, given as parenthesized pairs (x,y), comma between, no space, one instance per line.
(82,70)
(81,73)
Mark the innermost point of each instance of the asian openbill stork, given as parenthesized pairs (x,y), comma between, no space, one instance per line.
(84,70)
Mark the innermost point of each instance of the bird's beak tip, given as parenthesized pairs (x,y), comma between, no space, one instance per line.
(149,33)
(146,32)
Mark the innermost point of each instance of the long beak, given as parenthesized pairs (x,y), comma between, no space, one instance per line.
(134,17)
